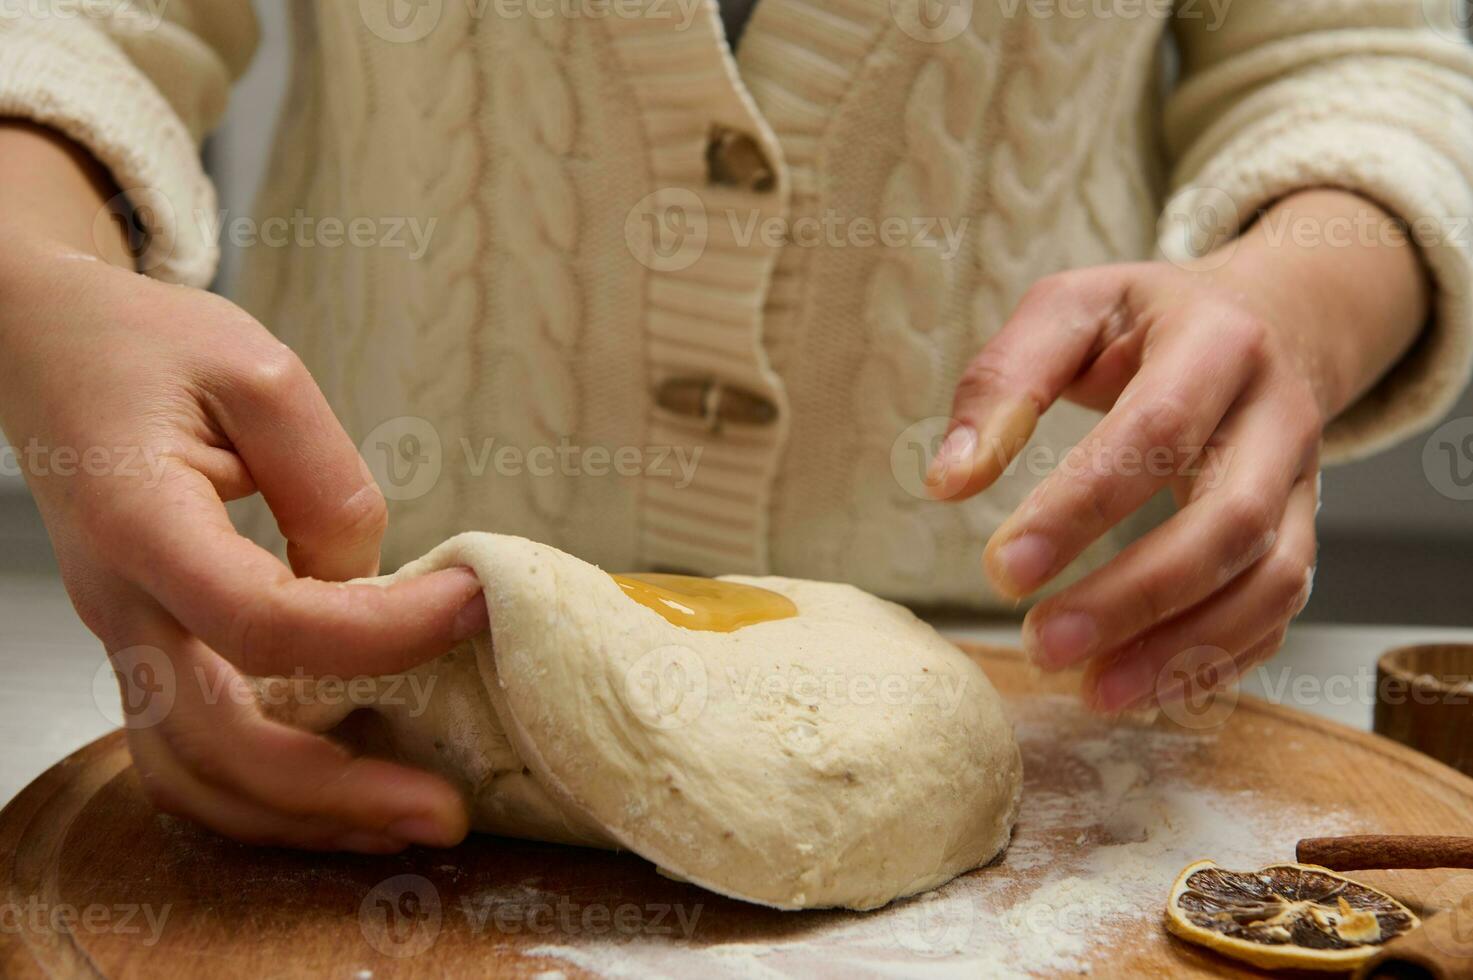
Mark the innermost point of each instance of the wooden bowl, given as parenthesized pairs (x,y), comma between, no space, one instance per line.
(1424,699)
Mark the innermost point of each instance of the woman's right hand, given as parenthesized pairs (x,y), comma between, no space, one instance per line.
(136,409)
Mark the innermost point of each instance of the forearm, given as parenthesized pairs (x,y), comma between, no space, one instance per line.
(52,190)
(1342,279)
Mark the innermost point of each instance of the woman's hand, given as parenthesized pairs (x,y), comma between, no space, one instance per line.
(1216,382)
(136,409)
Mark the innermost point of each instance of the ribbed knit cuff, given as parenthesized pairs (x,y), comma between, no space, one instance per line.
(68,75)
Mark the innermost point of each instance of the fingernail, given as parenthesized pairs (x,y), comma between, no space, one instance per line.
(1024,563)
(367,842)
(419,830)
(1062,640)
(473,618)
(952,466)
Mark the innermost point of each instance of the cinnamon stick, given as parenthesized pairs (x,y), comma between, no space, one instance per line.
(1386,852)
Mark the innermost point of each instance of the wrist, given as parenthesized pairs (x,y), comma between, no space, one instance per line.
(53,192)
(41,282)
(1336,279)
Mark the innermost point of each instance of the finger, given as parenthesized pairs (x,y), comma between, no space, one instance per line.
(1261,600)
(1061,323)
(211,454)
(247,606)
(1230,522)
(173,790)
(310,473)
(1224,674)
(1202,675)
(215,731)
(1162,420)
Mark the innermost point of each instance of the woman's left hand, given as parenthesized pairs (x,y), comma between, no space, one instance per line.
(1216,382)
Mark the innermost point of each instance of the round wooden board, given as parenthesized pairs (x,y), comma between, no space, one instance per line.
(93,883)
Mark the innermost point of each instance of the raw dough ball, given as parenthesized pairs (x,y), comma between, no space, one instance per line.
(845,756)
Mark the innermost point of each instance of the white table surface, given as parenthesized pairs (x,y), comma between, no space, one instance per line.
(56,693)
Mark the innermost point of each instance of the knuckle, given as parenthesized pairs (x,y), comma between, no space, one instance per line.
(364,515)
(1163,422)
(985,373)
(1246,522)
(1248,335)
(274,372)
(1057,287)
(987,369)
(197,750)
(1286,582)
(253,631)
(1046,288)
(1305,417)
(1145,601)
(1093,503)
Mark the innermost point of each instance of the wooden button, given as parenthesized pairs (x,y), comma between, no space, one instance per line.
(734,159)
(714,403)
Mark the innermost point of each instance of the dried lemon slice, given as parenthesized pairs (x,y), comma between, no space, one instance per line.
(1295,916)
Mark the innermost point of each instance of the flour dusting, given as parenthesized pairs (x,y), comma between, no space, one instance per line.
(1098,844)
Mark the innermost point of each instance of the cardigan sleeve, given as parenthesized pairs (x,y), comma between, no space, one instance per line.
(138,84)
(1371,96)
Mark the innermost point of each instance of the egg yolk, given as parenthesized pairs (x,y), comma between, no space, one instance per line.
(706,603)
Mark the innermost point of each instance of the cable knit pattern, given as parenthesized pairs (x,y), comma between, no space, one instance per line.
(348,96)
(539,119)
(448,298)
(904,310)
(541,145)
(1049,120)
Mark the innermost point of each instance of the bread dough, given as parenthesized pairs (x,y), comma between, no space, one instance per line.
(845,756)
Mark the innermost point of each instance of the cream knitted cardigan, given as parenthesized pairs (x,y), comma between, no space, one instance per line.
(600,279)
